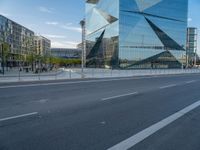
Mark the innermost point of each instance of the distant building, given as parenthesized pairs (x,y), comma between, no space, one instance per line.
(42,45)
(21,42)
(66,53)
(191,45)
(80,45)
(19,38)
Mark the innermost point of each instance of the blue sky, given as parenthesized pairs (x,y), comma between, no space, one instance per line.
(59,20)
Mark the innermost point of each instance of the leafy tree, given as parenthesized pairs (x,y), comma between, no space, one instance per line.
(6,51)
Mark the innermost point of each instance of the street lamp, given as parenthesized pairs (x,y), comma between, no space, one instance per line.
(82,23)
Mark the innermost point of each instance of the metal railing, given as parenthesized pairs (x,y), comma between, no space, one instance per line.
(76,73)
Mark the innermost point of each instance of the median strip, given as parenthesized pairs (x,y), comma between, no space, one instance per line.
(118,96)
(19,116)
(137,138)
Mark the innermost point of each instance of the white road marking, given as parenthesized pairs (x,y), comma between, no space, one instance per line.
(135,139)
(118,96)
(19,116)
(88,81)
(43,101)
(168,86)
(192,81)
(73,82)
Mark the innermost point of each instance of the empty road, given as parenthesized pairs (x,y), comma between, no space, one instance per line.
(136,113)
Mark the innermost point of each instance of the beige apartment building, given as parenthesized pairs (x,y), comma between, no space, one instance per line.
(42,45)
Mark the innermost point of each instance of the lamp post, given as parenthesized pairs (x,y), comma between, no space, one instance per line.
(82,23)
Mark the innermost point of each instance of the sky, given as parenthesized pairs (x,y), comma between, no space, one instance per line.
(59,20)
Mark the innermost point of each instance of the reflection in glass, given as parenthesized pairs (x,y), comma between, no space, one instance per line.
(136,34)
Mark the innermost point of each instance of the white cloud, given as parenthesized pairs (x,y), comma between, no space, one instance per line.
(72,43)
(67,26)
(52,23)
(5,14)
(45,10)
(53,36)
(64,44)
(61,41)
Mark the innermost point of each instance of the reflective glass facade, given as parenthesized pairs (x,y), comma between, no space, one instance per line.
(136,33)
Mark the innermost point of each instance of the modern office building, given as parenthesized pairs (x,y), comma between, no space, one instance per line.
(66,53)
(19,38)
(42,45)
(136,33)
(191,46)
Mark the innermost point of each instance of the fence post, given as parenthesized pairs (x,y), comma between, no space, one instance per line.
(39,74)
(70,73)
(19,75)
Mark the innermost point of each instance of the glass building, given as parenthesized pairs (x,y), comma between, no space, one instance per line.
(67,53)
(136,33)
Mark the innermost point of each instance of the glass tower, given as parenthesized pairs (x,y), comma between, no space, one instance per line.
(136,33)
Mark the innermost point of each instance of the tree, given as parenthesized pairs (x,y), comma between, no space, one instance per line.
(5,54)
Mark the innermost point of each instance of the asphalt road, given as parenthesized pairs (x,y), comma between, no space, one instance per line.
(139,113)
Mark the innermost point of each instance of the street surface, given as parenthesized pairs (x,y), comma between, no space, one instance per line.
(136,113)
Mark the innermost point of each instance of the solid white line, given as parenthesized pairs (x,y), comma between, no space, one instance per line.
(62,83)
(188,82)
(168,86)
(135,139)
(72,82)
(19,116)
(88,81)
(118,96)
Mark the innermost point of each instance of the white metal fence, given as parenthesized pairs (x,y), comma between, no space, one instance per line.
(63,73)
(105,73)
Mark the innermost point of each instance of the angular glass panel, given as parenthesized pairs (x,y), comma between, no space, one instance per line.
(144,4)
(142,33)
